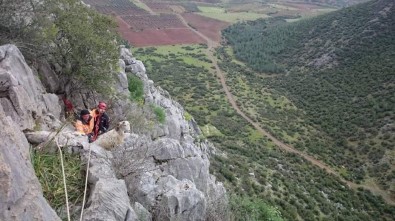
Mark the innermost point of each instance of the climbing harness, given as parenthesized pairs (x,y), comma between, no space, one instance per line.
(96,132)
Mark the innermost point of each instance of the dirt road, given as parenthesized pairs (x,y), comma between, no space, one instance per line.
(210,53)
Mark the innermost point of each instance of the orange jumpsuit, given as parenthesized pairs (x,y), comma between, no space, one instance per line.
(84,128)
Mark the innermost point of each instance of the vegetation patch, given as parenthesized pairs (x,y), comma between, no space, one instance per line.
(341,90)
(136,88)
(334,109)
(187,116)
(192,55)
(49,172)
(160,114)
(251,164)
(252,208)
(209,130)
(231,17)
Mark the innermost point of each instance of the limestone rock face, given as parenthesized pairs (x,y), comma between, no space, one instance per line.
(22,95)
(20,192)
(182,160)
(168,177)
(175,124)
(159,174)
(48,78)
(109,201)
(122,83)
(166,170)
(108,197)
(180,201)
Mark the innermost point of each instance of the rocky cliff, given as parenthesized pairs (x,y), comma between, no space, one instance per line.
(160,172)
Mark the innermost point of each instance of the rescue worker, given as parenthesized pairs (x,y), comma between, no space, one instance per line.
(100,119)
(84,124)
(69,108)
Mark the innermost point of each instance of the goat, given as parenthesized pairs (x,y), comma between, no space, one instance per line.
(114,137)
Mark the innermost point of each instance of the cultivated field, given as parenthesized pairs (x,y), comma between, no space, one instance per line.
(155,37)
(160,7)
(162,21)
(207,26)
(157,22)
(228,16)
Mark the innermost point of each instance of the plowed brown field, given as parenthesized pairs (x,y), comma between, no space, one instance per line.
(207,26)
(153,37)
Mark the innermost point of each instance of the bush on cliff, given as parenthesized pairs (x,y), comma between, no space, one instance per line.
(77,40)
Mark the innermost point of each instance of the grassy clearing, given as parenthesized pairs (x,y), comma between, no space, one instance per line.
(255,135)
(141,5)
(210,131)
(252,208)
(188,54)
(316,12)
(278,101)
(229,51)
(49,172)
(282,7)
(231,17)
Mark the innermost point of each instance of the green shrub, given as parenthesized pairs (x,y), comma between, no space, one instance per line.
(136,89)
(160,114)
(187,116)
(251,208)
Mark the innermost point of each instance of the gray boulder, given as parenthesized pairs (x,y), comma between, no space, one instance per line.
(169,177)
(108,199)
(122,83)
(142,213)
(180,200)
(183,161)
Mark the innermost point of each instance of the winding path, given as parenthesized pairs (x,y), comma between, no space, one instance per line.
(210,53)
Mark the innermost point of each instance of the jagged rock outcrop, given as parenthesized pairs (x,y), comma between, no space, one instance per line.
(175,124)
(21,197)
(23,105)
(108,197)
(48,77)
(168,177)
(22,96)
(170,174)
(158,174)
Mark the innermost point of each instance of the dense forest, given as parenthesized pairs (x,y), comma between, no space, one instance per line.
(338,71)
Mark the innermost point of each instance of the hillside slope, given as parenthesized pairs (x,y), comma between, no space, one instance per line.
(338,71)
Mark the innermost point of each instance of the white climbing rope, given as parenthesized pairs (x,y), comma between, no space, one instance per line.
(64,182)
(63,173)
(86,182)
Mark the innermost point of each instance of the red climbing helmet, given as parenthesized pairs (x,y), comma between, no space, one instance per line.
(102,105)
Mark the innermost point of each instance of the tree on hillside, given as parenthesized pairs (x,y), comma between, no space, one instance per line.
(69,35)
(84,43)
(17,24)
